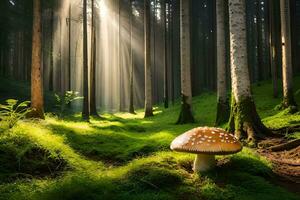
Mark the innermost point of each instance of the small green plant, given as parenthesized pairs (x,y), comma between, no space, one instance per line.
(62,101)
(12,112)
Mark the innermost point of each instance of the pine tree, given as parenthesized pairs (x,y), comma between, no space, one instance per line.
(37,101)
(244,119)
(186,115)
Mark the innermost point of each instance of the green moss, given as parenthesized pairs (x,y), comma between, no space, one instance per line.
(125,156)
(244,120)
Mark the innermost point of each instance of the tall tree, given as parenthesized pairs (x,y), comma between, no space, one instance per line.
(186,115)
(223,103)
(70,46)
(131,102)
(121,106)
(165,51)
(93,108)
(51,66)
(148,74)
(273,53)
(244,119)
(287,69)
(37,101)
(85,108)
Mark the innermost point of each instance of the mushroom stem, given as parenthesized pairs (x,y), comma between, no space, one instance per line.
(204,162)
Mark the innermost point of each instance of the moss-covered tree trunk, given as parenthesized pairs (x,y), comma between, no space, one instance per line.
(37,99)
(244,119)
(287,71)
(186,115)
(223,103)
(148,74)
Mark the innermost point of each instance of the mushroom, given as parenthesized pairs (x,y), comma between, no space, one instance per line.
(206,142)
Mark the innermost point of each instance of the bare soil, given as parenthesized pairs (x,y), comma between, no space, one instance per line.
(286,163)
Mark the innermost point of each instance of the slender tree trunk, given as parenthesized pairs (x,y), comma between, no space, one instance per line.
(93,108)
(287,68)
(166,80)
(244,119)
(70,45)
(86,100)
(154,67)
(131,102)
(37,101)
(51,52)
(260,58)
(273,54)
(174,51)
(186,115)
(121,82)
(148,73)
(223,103)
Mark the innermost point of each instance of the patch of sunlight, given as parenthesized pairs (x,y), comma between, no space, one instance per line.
(54,144)
(83,127)
(282,119)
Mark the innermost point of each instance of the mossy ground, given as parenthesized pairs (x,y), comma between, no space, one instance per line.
(124,156)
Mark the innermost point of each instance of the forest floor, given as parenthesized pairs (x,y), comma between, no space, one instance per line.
(124,156)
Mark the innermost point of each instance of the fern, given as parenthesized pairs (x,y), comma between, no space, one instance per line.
(12,112)
(62,101)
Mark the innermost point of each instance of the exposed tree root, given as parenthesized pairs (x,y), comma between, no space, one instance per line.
(287,130)
(286,158)
(286,146)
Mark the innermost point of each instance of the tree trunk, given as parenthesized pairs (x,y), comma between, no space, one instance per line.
(37,101)
(244,119)
(165,52)
(85,108)
(186,115)
(260,57)
(273,54)
(223,103)
(93,108)
(70,46)
(287,71)
(131,102)
(121,106)
(148,75)
(51,52)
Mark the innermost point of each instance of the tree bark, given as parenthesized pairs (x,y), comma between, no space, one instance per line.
(70,46)
(287,71)
(131,102)
(148,73)
(244,119)
(85,108)
(186,115)
(273,53)
(51,51)
(165,52)
(37,101)
(93,108)
(223,103)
